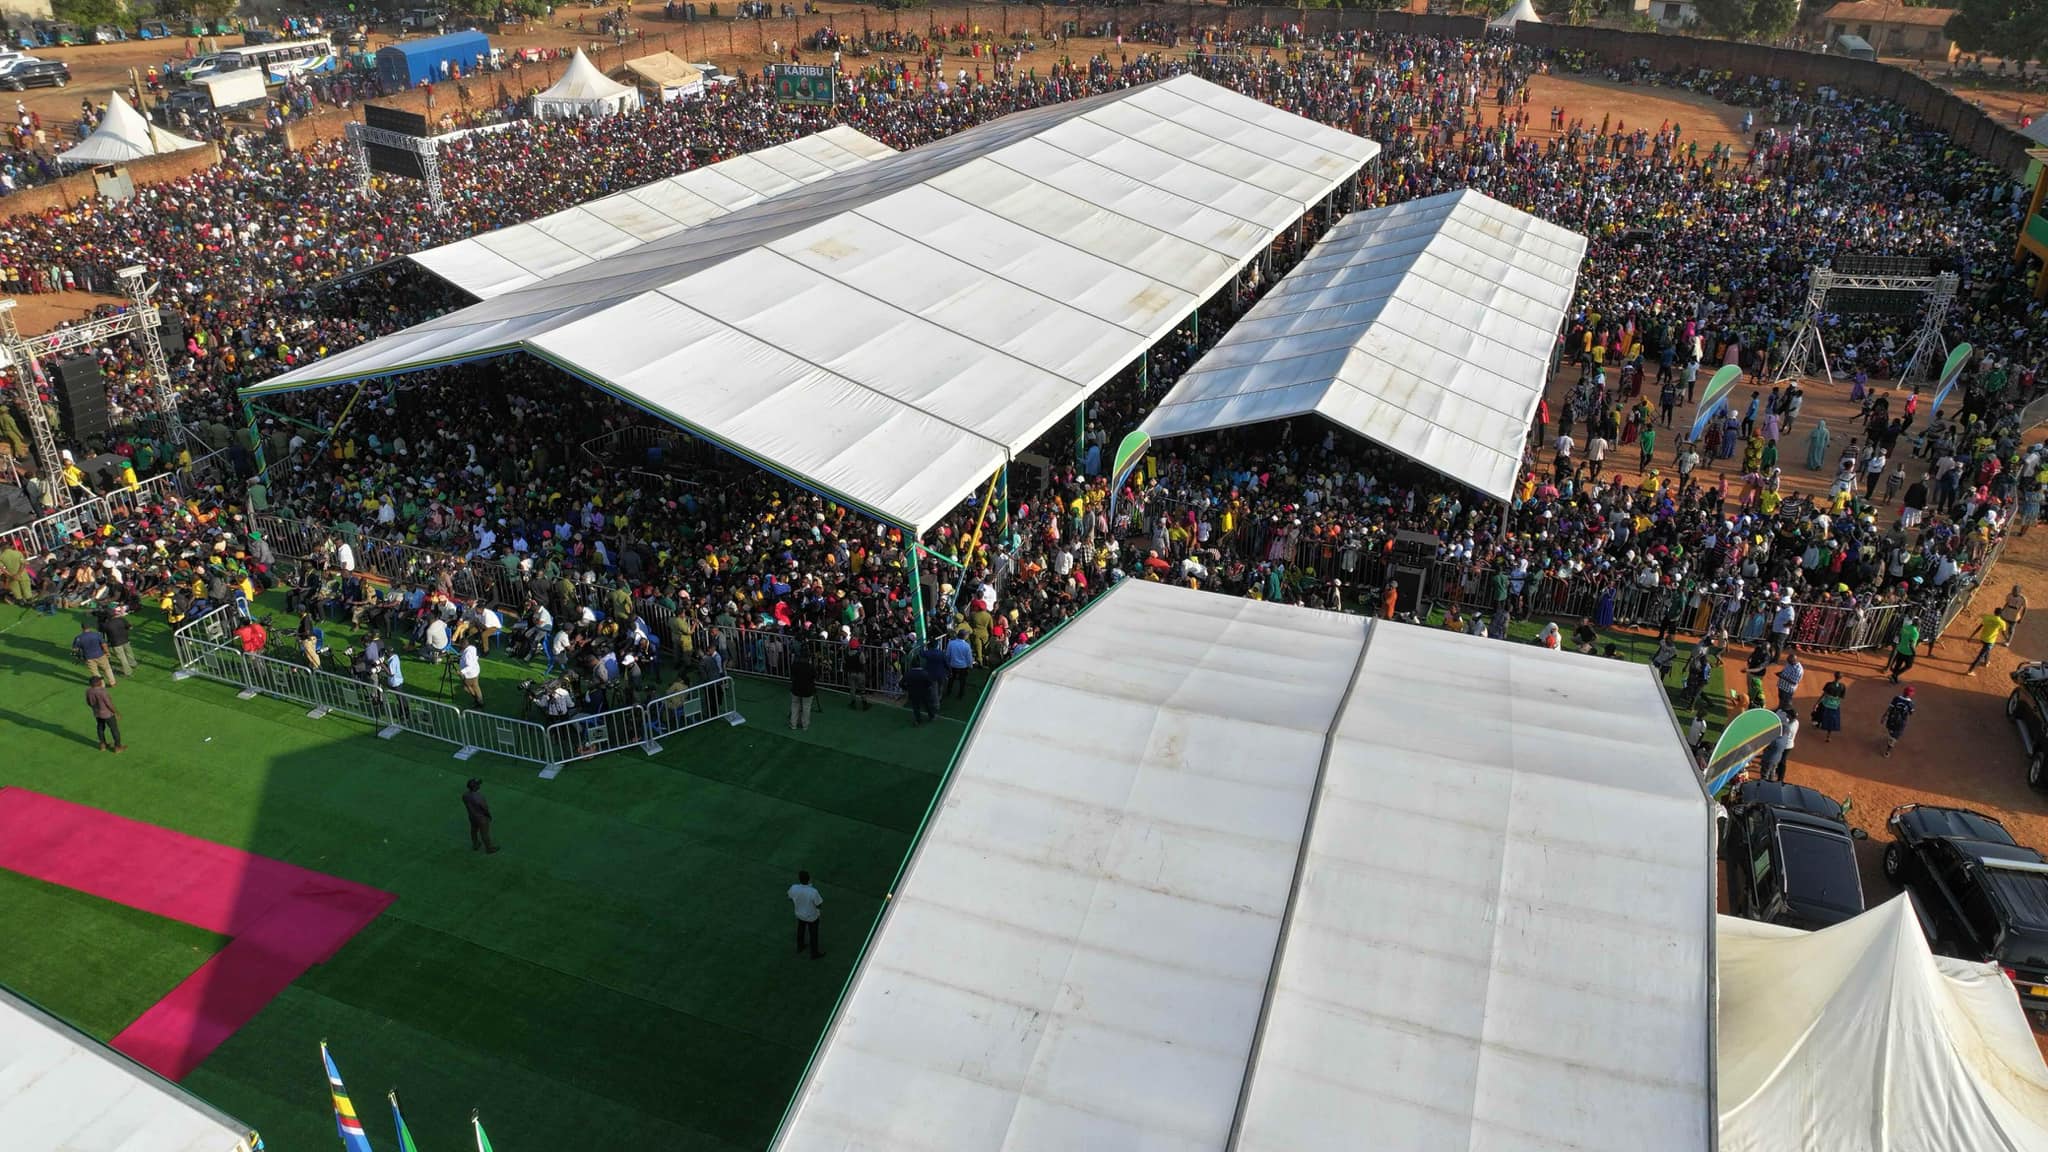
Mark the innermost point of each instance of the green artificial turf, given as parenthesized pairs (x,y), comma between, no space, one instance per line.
(96,963)
(623,974)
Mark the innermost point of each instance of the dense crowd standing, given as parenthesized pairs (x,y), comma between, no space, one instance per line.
(1695,261)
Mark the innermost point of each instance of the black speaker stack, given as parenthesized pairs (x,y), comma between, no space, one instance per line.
(81,397)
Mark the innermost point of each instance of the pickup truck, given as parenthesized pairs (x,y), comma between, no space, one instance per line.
(1981,895)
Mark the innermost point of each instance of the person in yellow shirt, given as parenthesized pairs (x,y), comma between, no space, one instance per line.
(1990,630)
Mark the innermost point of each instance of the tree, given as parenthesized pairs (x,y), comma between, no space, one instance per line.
(1771,19)
(87,13)
(1726,17)
(2013,29)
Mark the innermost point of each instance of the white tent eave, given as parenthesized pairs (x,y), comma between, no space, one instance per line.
(892,334)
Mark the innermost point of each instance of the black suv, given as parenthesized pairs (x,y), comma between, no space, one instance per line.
(2027,707)
(35,74)
(1980,895)
(1790,856)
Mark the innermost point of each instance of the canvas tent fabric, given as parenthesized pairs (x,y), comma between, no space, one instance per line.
(62,1091)
(123,135)
(584,91)
(666,73)
(1857,1038)
(1425,326)
(892,334)
(1522,13)
(1279,878)
(496,262)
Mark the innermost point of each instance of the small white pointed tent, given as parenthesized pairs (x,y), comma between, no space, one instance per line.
(1522,12)
(584,91)
(123,135)
(1859,1037)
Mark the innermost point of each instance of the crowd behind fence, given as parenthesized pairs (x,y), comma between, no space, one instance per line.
(877,668)
(206,647)
(45,535)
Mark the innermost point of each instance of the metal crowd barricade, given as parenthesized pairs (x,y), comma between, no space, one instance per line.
(697,704)
(757,652)
(596,733)
(506,736)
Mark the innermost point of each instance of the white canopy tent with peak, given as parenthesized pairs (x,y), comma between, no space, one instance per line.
(584,91)
(1860,1037)
(1522,12)
(123,135)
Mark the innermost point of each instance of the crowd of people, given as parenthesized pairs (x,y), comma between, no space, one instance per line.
(1696,260)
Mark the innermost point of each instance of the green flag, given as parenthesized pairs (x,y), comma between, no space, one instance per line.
(1719,387)
(1745,736)
(405,1143)
(483,1142)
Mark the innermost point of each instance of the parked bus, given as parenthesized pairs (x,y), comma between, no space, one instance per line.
(277,61)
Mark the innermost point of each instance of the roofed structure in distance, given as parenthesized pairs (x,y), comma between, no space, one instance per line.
(1425,326)
(892,334)
(1290,881)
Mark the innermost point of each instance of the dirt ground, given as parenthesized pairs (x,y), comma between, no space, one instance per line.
(38,313)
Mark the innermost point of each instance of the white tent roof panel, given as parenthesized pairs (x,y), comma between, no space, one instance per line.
(986,284)
(62,1092)
(499,261)
(1500,938)
(1425,326)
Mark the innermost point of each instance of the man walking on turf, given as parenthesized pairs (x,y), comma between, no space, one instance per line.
(91,647)
(479,810)
(807,902)
(104,716)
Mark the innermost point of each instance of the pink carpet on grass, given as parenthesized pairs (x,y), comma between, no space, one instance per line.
(283,918)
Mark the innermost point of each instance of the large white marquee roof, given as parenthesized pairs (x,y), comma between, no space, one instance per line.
(62,1091)
(1214,873)
(1425,326)
(497,262)
(890,335)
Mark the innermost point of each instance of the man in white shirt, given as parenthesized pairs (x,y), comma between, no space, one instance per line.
(1596,455)
(472,674)
(437,640)
(807,902)
(345,557)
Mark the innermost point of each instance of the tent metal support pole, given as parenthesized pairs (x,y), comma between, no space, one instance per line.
(917,591)
(255,436)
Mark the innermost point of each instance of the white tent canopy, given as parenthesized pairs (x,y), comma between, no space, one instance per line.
(123,135)
(890,335)
(584,91)
(512,257)
(1425,326)
(1522,13)
(1857,1038)
(62,1091)
(1212,872)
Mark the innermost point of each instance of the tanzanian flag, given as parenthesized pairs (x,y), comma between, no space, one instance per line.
(483,1142)
(1745,736)
(405,1143)
(353,1138)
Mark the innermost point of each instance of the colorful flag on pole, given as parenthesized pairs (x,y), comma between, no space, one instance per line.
(483,1142)
(1950,373)
(353,1138)
(1128,453)
(1715,398)
(1745,736)
(405,1143)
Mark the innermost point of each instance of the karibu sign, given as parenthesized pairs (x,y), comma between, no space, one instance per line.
(804,83)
